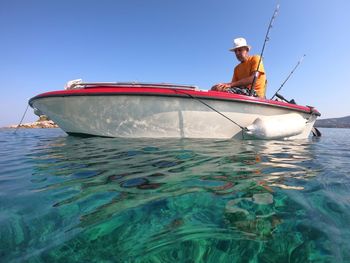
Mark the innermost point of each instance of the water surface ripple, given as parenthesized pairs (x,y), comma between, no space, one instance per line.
(69,199)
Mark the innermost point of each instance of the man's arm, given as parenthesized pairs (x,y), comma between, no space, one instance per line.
(245,82)
(242,82)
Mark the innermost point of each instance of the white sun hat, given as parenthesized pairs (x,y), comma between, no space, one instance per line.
(240,42)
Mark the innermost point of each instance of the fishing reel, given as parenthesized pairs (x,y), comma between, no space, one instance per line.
(279,97)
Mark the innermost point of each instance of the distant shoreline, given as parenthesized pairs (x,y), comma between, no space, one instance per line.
(44,122)
(323,127)
(333,127)
(51,124)
(343,122)
(47,124)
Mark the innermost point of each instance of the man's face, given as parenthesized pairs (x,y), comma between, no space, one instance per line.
(241,53)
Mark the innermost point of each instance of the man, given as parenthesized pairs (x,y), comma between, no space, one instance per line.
(244,72)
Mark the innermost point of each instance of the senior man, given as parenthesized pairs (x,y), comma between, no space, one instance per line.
(244,72)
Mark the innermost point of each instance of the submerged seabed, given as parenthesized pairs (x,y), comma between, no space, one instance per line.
(67,199)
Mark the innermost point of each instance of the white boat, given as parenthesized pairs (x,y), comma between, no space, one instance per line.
(137,110)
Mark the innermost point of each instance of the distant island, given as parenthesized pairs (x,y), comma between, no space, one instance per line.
(42,122)
(343,122)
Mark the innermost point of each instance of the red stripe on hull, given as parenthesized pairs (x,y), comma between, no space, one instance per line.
(145,91)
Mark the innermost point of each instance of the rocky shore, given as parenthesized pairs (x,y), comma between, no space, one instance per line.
(42,122)
(36,124)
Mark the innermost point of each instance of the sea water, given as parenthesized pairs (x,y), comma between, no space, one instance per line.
(70,199)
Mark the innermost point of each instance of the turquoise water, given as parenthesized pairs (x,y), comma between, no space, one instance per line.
(68,199)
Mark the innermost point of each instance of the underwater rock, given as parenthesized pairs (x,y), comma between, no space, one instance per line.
(263,199)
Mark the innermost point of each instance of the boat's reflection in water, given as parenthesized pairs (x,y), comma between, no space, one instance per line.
(149,195)
(287,160)
(280,170)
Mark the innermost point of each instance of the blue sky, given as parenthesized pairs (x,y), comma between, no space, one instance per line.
(45,43)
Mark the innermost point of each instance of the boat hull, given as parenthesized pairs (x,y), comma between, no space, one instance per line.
(153,115)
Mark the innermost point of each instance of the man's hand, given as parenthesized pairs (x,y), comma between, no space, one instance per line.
(221,86)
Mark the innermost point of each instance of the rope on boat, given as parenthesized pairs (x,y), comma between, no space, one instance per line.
(212,108)
(21,119)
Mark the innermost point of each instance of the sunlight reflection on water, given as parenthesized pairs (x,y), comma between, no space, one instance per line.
(142,200)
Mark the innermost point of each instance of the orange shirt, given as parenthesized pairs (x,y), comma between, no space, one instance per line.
(247,68)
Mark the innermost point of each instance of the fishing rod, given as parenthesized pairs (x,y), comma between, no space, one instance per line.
(290,74)
(256,75)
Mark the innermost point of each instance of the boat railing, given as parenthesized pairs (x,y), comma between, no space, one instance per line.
(87,85)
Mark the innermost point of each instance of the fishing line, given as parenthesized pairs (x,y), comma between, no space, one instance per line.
(290,74)
(212,108)
(21,119)
(263,48)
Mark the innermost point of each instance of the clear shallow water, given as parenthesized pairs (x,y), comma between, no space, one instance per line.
(67,199)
